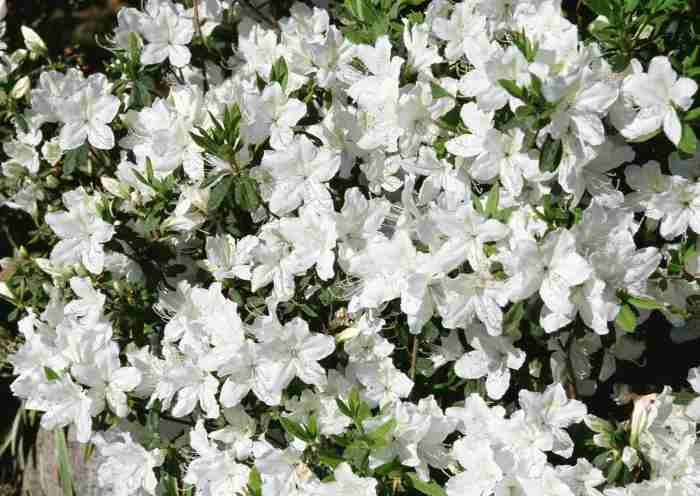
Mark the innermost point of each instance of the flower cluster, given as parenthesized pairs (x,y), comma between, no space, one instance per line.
(283,261)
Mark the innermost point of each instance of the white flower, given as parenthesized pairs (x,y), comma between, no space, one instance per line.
(86,115)
(126,468)
(554,268)
(418,113)
(551,411)
(298,173)
(296,353)
(346,483)
(228,258)
(64,402)
(480,472)
(214,472)
(582,99)
(493,357)
(81,230)
(167,32)
(384,383)
(678,208)
(421,54)
(657,96)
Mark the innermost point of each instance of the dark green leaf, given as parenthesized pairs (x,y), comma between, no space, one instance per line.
(512,318)
(615,470)
(330,459)
(246,193)
(219,192)
(551,154)
(74,159)
(600,7)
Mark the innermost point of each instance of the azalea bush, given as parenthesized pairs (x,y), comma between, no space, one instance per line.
(375,248)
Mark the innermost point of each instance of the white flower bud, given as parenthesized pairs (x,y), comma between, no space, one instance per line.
(5,291)
(33,41)
(21,88)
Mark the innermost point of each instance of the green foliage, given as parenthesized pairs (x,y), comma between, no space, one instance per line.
(643,28)
(366,20)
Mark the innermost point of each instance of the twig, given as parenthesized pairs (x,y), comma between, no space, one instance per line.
(198,32)
(571,390)
(414,357)
(272,22)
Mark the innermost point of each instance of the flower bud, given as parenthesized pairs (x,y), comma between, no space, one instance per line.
(5,291)
(33,41)
(52,152)
(51,182)
(630,457)
(21,88)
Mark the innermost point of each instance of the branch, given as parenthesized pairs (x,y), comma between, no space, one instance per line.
(198,31)
(272,22)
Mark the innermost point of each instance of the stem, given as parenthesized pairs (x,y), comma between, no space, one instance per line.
(571,390)
(198,31)
(261,15)
(414,357)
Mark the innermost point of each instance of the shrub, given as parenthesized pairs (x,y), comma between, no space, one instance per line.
(393,247)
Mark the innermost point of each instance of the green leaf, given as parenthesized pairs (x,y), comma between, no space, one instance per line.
(344,409)
(438,91)
(512,318)
(645,303)
(378,436)
(219,192)
(551,154)
(312,427)
(295,429)
(308,311)
(330,459)
(246,193)
(512,88)
(626,318)
(615,470)
(63,458)
(357,453)
(689,141)
(478,206)
(631,5)
(693,114)
(50,374)
(492,201)
(430,488)
(280,73)
(74,159)
(600,7)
